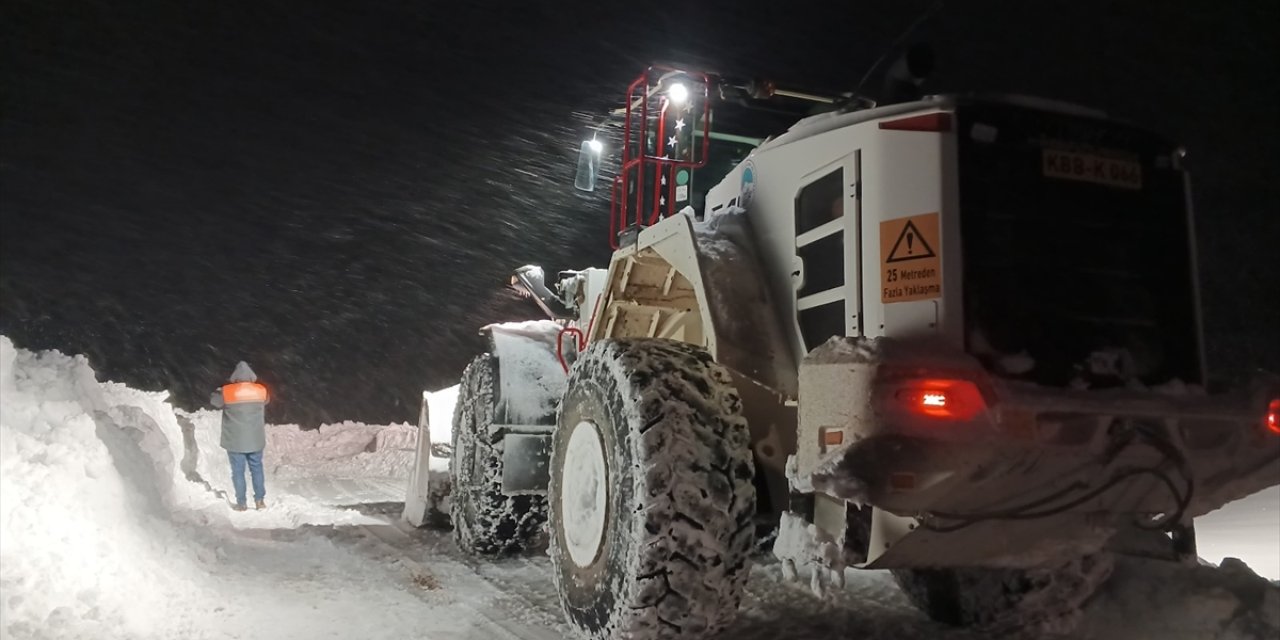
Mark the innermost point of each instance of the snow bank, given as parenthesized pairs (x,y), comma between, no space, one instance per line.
(344,450)
(113,506)
(295,451)
(292,446)
(88,482)
(338,451)
(1155,599)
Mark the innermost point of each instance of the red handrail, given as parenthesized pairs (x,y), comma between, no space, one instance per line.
(624,209)
(581,340)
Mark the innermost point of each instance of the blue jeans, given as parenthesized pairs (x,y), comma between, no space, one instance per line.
(254,460)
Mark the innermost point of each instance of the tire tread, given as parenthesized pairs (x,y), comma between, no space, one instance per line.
(501,525)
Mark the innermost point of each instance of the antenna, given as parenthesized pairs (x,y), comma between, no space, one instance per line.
(928,13)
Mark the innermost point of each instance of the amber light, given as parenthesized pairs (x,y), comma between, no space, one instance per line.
(1273,416)
(945,399)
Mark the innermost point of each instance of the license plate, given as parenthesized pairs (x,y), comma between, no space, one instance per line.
(1112,172)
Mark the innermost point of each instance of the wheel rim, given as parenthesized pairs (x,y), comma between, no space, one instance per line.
(584,494)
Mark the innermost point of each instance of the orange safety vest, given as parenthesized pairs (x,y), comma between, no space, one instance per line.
(239,392)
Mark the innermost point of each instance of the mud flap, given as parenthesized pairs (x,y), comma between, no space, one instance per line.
(525,462)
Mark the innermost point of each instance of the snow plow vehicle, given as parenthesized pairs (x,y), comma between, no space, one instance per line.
(956,337)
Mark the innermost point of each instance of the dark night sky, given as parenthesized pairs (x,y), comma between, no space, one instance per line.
(336,191)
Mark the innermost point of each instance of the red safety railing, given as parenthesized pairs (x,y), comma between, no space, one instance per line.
(651,163)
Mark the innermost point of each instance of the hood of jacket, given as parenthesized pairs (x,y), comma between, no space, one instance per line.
(243,373)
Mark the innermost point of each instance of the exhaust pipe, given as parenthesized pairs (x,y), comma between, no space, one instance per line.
(903,78)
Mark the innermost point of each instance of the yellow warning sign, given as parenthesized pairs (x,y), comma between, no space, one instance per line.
(910,259)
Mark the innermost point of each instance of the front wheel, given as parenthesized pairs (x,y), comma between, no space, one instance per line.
(485,520)
(651,494)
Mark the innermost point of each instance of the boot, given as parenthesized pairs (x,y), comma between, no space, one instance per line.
(260,505)
(239,507)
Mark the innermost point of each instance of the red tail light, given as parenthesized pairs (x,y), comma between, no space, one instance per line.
(945,399)
(1273,416)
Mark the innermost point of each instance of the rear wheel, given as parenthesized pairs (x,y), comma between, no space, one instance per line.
(485,520)
(651,493)
(1002,600)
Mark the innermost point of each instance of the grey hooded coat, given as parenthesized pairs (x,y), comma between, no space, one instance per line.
(243,404)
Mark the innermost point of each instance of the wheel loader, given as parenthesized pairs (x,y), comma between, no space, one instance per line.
(955,337)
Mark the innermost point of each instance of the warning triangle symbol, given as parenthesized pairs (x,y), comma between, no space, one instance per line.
(910,245)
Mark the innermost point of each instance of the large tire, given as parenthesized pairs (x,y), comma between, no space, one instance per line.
(1000,601)
(651,493)
(486,521)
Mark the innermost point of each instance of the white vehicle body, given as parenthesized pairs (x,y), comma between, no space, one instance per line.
(908,318)
(912,402)
(870,162)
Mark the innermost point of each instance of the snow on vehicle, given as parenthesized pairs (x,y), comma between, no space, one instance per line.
(955,337)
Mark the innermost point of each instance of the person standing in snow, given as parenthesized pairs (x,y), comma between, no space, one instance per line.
(244,436)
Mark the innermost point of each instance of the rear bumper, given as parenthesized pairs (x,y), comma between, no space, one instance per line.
(1039,472)
(1037,453)
(1064,487)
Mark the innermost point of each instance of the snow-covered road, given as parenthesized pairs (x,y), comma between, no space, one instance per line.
(515,599)
(114,523)
(1248,529)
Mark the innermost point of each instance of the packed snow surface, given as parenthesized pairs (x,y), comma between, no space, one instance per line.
(111,528)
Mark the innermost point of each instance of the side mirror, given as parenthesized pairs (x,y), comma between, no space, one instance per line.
(588,165)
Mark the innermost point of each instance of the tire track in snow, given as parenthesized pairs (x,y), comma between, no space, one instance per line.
(512,617)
